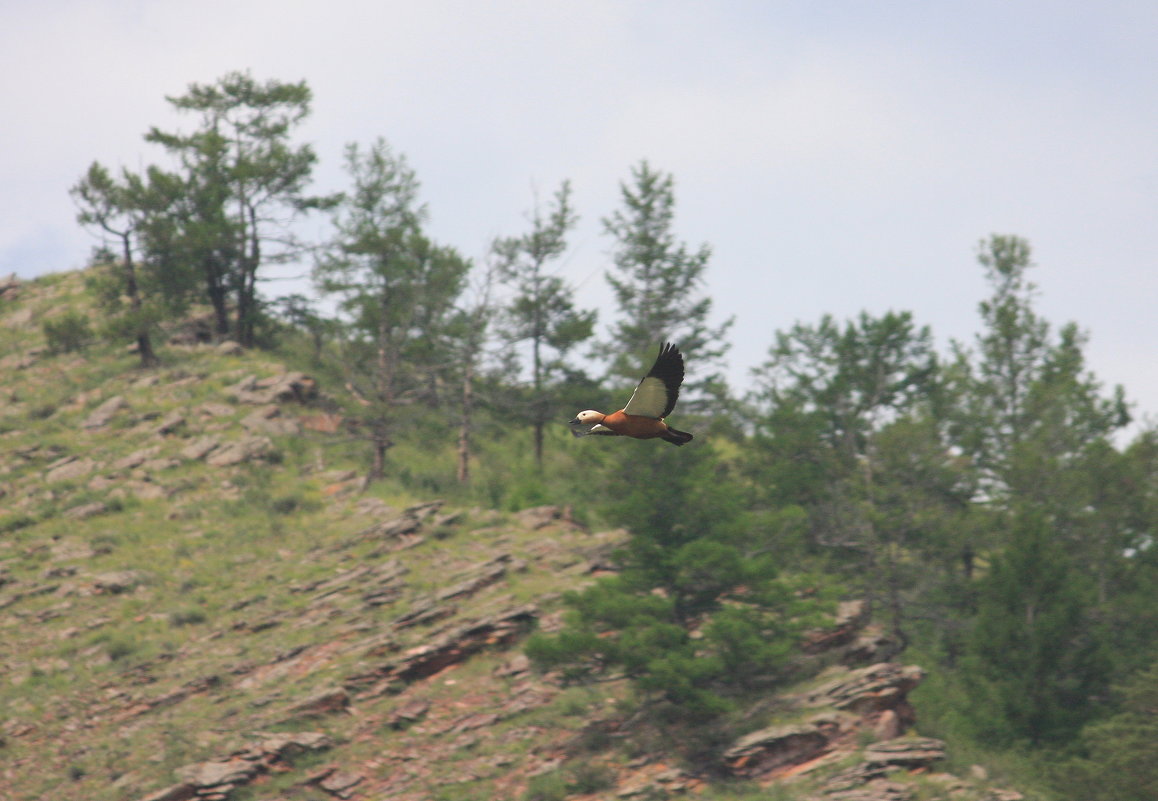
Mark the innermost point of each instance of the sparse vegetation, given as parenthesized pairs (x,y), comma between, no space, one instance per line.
(169,600)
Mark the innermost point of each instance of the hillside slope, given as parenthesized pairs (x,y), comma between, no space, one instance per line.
(198,601)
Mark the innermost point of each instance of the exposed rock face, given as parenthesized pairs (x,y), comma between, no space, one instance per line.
(542,516)
(118,581)
(449,649)
(169,423)
(906,752)
(776,747)
(269,420)
(102,415)
(10,288)
(243,450)
(867,781)
(327,702)
(217,778)
(873,689)
(68,469)
(293,386)
(873,698)
(200,448)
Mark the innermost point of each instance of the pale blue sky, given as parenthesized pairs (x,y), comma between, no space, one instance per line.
(837,156)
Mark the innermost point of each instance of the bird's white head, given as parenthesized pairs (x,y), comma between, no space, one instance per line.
(588,417)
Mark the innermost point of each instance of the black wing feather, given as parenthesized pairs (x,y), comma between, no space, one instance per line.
(669,368)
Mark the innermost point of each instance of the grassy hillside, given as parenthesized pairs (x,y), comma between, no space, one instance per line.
(198,600)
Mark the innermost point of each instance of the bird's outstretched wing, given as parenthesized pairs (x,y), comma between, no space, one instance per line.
(657,393)
(596,430)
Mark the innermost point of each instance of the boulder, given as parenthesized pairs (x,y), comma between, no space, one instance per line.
(169,423)
(116,582)
(102,415)
(327,702)
(200,448)
(86,510)
(68,469)
(408,713)
(218,773)
(244,450)
(269,420)
(485,578)
(135,459)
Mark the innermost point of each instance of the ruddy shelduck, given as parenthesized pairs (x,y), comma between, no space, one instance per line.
(652,401)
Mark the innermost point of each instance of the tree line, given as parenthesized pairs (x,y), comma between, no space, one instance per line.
(413,314)
(977,499)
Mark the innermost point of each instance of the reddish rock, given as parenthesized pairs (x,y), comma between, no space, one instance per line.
(768,750)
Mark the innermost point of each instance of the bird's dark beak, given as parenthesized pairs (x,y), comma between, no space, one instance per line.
(573,422)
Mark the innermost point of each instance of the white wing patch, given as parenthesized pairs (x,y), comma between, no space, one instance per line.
(649,398)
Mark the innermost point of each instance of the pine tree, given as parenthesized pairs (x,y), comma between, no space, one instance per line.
(396,287)
(1119,759)
(119,208)
(1035,662)
(542,311)
(833,394)
(244,183)
(1024,393)
(697,615)
(658,285)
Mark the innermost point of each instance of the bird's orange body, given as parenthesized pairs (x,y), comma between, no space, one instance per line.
(634,425)
(652,401)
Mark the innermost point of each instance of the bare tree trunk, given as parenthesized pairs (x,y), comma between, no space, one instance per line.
(247,285)
(464,429)
(537,405)
(144,343)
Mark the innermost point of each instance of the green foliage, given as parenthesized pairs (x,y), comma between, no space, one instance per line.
(397,288)
(542,311)
(1119,759)
(657,284)
(241,185)
(697,615)
(980,504)
(551,786)
(67,332)
(1034,662)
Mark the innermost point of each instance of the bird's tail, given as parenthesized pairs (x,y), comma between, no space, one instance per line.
(676,437)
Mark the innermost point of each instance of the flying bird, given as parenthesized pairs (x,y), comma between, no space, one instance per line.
(652,401)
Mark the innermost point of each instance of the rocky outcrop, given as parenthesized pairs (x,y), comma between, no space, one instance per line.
(102,415)
(449,649)
(872,690)
(868,780)
(243,450)
(269,420)
(858,701)
(216,779)
(68,469)
(287,387)
(769,750)
(10,288)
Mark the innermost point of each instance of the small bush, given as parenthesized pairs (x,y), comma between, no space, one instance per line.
(587,777)
(186,617)
(15,522)
(68,332)
(546,787)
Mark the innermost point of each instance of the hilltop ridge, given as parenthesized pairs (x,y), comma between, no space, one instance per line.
(198,599)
